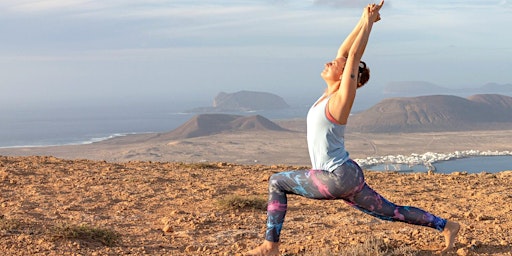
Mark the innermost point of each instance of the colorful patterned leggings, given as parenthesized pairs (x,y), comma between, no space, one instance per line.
(346,183)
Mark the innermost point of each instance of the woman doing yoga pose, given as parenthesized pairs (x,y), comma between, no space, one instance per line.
(334,175)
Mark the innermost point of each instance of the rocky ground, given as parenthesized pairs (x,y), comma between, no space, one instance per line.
(52,206)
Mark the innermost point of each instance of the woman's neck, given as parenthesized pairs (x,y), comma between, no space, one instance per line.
(332,88)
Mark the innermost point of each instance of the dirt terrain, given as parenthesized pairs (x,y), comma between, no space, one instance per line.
(53,206)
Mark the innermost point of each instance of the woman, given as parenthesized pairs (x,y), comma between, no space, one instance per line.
(334,175)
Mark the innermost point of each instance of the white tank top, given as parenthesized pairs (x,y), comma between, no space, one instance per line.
(326,143)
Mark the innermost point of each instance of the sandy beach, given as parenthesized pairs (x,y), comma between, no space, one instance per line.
(116,197)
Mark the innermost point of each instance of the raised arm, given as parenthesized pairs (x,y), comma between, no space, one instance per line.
(341,103)
(349,41)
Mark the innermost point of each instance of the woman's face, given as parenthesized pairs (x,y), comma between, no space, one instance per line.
(334,69)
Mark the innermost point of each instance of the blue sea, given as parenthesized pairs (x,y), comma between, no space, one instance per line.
(83,125)
(87,122)
(475,164)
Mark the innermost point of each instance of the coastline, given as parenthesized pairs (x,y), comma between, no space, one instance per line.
(427,159)
(84,142)
(289,147)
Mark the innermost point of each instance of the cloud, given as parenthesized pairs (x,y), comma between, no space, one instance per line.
(341,3)
(459,5)
(45,6)
(169,34)
(506,3)
(87,24)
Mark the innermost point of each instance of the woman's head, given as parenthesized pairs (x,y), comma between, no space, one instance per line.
(333,71)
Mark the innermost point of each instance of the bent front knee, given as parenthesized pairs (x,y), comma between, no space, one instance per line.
(273,181)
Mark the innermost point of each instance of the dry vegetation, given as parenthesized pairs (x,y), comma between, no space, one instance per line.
(85,233)
(52,206)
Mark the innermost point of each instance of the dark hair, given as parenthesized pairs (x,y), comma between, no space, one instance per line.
(364,74)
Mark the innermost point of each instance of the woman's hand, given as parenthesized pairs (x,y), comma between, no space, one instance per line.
(371,12)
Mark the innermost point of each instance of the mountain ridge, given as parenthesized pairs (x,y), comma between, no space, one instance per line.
(243,101)
(210,124)
(435,113)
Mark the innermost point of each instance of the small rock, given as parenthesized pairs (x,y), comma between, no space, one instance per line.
(167,229)
(481,217)
(190,248)
(469,215)
(463,252)
(475,243)
(164,220)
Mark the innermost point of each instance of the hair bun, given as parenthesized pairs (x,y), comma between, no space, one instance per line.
(364,74)
(362,66)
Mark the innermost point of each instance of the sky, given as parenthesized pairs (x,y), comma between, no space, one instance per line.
(62,52)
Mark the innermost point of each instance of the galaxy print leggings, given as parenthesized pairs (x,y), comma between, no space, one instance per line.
(346,183)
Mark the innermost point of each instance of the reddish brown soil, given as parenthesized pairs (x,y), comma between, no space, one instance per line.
(137,199)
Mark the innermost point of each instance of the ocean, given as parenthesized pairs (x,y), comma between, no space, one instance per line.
(474,164)
(81,123)
(64,130)
(51,126)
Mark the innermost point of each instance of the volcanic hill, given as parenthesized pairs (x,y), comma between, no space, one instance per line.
(436,113)
(242,101)
(210,124)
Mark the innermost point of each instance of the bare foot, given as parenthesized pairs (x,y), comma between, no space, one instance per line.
(450,233)
(266,249)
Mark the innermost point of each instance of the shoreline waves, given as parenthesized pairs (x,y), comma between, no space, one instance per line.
(283,147)
(83,142)
(414,162)
(427,159)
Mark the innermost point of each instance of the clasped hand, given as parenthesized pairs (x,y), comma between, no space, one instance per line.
(372,11)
